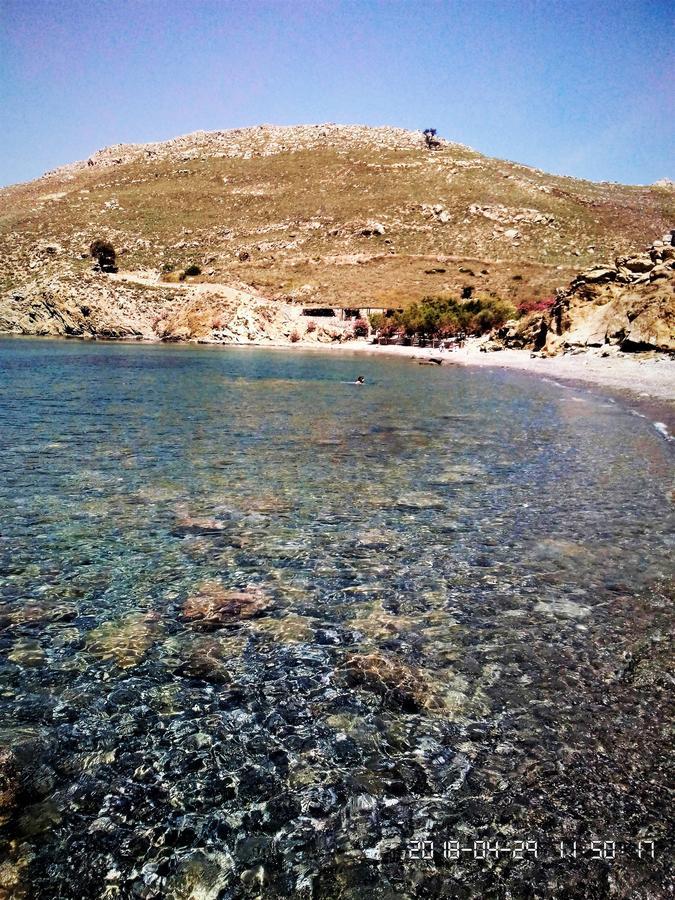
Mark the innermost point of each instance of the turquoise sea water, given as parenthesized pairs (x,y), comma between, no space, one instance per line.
(437,610)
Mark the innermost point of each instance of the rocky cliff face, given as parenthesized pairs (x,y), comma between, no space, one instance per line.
(629,305)
(126,308)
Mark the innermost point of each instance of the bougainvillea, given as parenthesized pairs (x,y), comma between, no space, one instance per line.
(534,304)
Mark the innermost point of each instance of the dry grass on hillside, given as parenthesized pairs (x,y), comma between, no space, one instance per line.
(291,223)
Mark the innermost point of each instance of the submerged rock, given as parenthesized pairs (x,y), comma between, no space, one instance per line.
(290,628)
(269,503)
(420,500)
(37,611)
(125,641)
(200,876)
(215,607)
(459,474)
(397,684)
(11,880)
(27,652)
(190,525)
(205,658)
(9,783)
(378,539)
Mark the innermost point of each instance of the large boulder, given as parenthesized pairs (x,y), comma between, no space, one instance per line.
(631,305)
(598,275)
(638,264)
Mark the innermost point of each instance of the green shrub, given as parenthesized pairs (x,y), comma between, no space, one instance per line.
(377,321)
(192,270)
(439,317)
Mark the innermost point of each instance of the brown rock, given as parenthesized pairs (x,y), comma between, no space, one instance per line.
(205,660)
(642,263)
(661,271)
(212,606)
(599,274)
(124,641)
(399,685)
(632,307)
(190,525)
(653,328)
(33,611)
(9,783)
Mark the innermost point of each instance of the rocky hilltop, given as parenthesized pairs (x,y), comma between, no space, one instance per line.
(245,143)
(628,305)
(275,218)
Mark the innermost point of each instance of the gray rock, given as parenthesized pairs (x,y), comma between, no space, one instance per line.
(420,500)
(642,263)
(599,274)
(373,228)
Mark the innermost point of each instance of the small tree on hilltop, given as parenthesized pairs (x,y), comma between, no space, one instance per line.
(104,254)
(430,139)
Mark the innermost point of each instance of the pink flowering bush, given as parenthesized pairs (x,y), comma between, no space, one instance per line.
(360,328)
(534,304)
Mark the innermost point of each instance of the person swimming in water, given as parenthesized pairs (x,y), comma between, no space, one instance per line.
(360,380)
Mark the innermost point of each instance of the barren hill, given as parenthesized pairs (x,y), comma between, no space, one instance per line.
(323,214)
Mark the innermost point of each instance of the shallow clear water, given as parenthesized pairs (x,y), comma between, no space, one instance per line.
(262,628)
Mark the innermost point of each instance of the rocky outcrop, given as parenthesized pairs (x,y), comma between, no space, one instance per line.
(504,215)
(143,308)
(88,306)
(630,305)
(264,140)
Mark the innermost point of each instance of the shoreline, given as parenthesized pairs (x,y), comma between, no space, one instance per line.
(653,376)
(649,380)
(646,386)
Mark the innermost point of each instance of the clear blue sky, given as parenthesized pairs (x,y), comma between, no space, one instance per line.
(583,87)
